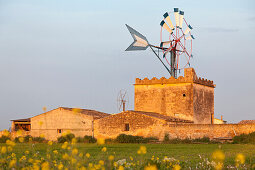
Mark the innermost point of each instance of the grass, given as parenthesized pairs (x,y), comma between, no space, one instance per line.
(190,154)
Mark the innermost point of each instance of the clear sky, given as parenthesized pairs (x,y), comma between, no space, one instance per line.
(71,53)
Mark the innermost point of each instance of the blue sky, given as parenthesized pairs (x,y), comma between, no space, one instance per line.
(71,53)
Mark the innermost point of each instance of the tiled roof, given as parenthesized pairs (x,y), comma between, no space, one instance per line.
(247,122)
(164,117)
(21,120)
(95,113)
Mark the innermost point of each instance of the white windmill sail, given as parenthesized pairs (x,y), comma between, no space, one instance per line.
(140,41)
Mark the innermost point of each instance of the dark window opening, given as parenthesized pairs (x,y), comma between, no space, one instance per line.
(184,95)
(59,130)
(25,127)
(126,127)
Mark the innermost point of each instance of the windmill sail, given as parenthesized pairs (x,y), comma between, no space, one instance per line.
(140,41)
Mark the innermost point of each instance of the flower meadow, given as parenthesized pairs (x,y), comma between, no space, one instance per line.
(73,155)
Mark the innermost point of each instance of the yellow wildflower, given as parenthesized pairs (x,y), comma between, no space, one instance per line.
(90,165)
(30,160)
(218,156)
(35,166)
(97,166)
(115,164)
(176,167)
(87,155)
(80,155)
(27,152)
(12,163)
(21,139)
(10,143)
(9,148)
(42,135)
(65,156)
(50,143)
(121,168)
(151,167)
(19,132)
(6,132)
(111,158)
(131,158)
(240,159)
(218,166)
(13,155)
(100,141)
(68,147)
(55,152)
(73,160)
(74,151)
(101,162)
(3,150)
(64,146)
(142,150)
(30,139)
(45,166)
(104,149)
(60,166)
(74,141)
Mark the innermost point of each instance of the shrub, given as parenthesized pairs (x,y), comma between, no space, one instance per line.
(80,139)
(66,138)
(3,139)
(39,139)
(89,139)
(245,138)
(122,138)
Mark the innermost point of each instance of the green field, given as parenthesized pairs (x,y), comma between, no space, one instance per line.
(189,155)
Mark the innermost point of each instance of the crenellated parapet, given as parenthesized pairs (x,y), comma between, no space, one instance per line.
(189,77)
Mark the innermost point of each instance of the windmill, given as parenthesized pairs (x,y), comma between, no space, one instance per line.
(122,100)
(178,44)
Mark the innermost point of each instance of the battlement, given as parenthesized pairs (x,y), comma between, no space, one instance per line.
(189,77)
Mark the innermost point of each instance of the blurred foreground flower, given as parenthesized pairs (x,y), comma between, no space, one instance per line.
(218,156)
(142,150)
(240,159)
(104,149)
(100,141)
(151,167)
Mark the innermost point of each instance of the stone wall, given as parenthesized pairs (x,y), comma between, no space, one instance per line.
(112,126)
(187,97)
(203,101)
(208,130)
(182,131)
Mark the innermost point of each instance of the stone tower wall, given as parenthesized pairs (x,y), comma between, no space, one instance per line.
(187,97)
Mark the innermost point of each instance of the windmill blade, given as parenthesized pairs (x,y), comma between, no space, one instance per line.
(168,20)
(140,41)
(165,26)
(191,37)
(188,30)
(181,18)
(162,44)
(176,15)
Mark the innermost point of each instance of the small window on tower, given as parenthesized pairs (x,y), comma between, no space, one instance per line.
(59,130)
(184,95)
(127,127)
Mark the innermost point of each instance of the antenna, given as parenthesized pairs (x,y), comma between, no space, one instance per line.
(122,100)
(178,44)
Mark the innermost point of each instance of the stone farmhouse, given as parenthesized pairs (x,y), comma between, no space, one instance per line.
(181,107)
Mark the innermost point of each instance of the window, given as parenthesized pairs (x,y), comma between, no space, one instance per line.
(184,95)
(59,130)
(127,127)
